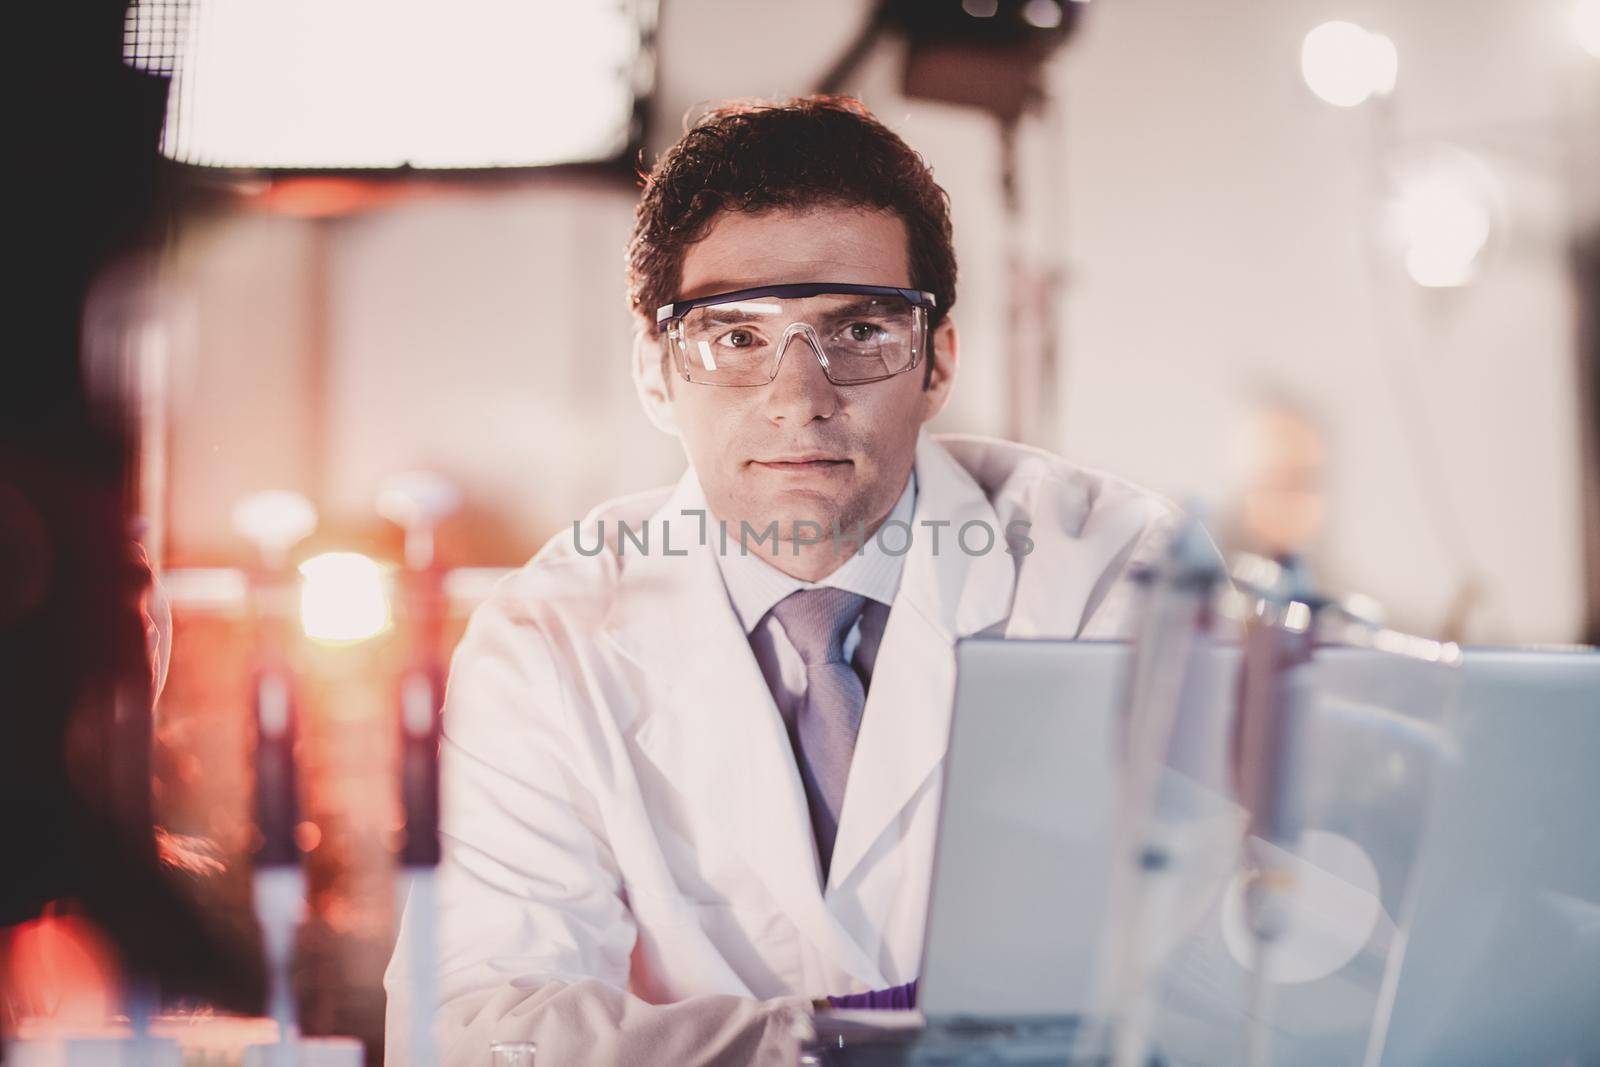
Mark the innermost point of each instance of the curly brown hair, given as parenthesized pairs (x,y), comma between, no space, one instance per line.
(803,152)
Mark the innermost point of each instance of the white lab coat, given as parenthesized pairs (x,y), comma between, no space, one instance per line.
(629,872)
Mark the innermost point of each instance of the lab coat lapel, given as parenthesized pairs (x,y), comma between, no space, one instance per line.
(716,733)
(944,594)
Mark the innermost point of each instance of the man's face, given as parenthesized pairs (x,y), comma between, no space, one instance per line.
(802,448)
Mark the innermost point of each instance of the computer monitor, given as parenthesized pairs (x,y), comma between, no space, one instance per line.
(1021,872)
(1020,908)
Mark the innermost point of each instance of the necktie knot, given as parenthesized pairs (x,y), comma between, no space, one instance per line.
(817,620)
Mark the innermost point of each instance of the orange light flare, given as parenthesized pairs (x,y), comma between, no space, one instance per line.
(344,598)
(61,971)
(325,198)
(347,671)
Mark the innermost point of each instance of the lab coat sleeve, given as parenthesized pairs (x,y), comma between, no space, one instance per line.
(534,933)
(1112,609)
(1115,604)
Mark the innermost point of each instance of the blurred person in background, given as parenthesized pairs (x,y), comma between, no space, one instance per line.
(691,786)
(1279,507)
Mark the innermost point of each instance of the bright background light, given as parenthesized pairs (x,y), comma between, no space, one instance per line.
(1445,229)
(1442,215)
(344,597)
(386,83)
(1345,64)
(1586,25)
(1045,14)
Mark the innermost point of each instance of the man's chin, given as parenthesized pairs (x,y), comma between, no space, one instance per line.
(806,517)
(791,515)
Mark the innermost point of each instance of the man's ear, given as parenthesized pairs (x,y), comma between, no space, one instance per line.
(946,358)
(650,381)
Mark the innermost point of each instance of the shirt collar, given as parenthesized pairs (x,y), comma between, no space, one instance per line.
(755,585)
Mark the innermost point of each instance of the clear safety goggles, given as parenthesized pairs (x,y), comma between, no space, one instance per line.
(859,333)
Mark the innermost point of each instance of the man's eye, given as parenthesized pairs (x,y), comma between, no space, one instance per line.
(739,339)
(862,332)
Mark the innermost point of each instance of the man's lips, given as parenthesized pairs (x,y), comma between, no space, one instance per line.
(802,462)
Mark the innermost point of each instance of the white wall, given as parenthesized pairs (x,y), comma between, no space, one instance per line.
(1215,223)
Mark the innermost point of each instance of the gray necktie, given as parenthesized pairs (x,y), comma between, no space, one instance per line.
(816,621)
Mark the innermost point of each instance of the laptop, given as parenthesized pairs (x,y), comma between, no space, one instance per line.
(1021,893)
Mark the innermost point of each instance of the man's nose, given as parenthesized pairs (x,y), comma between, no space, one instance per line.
(801,391)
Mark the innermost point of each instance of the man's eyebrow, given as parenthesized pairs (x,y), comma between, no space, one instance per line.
(738,312)
(709,288)
(860,306)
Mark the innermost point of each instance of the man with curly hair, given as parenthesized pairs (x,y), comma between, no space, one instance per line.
(693,750)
